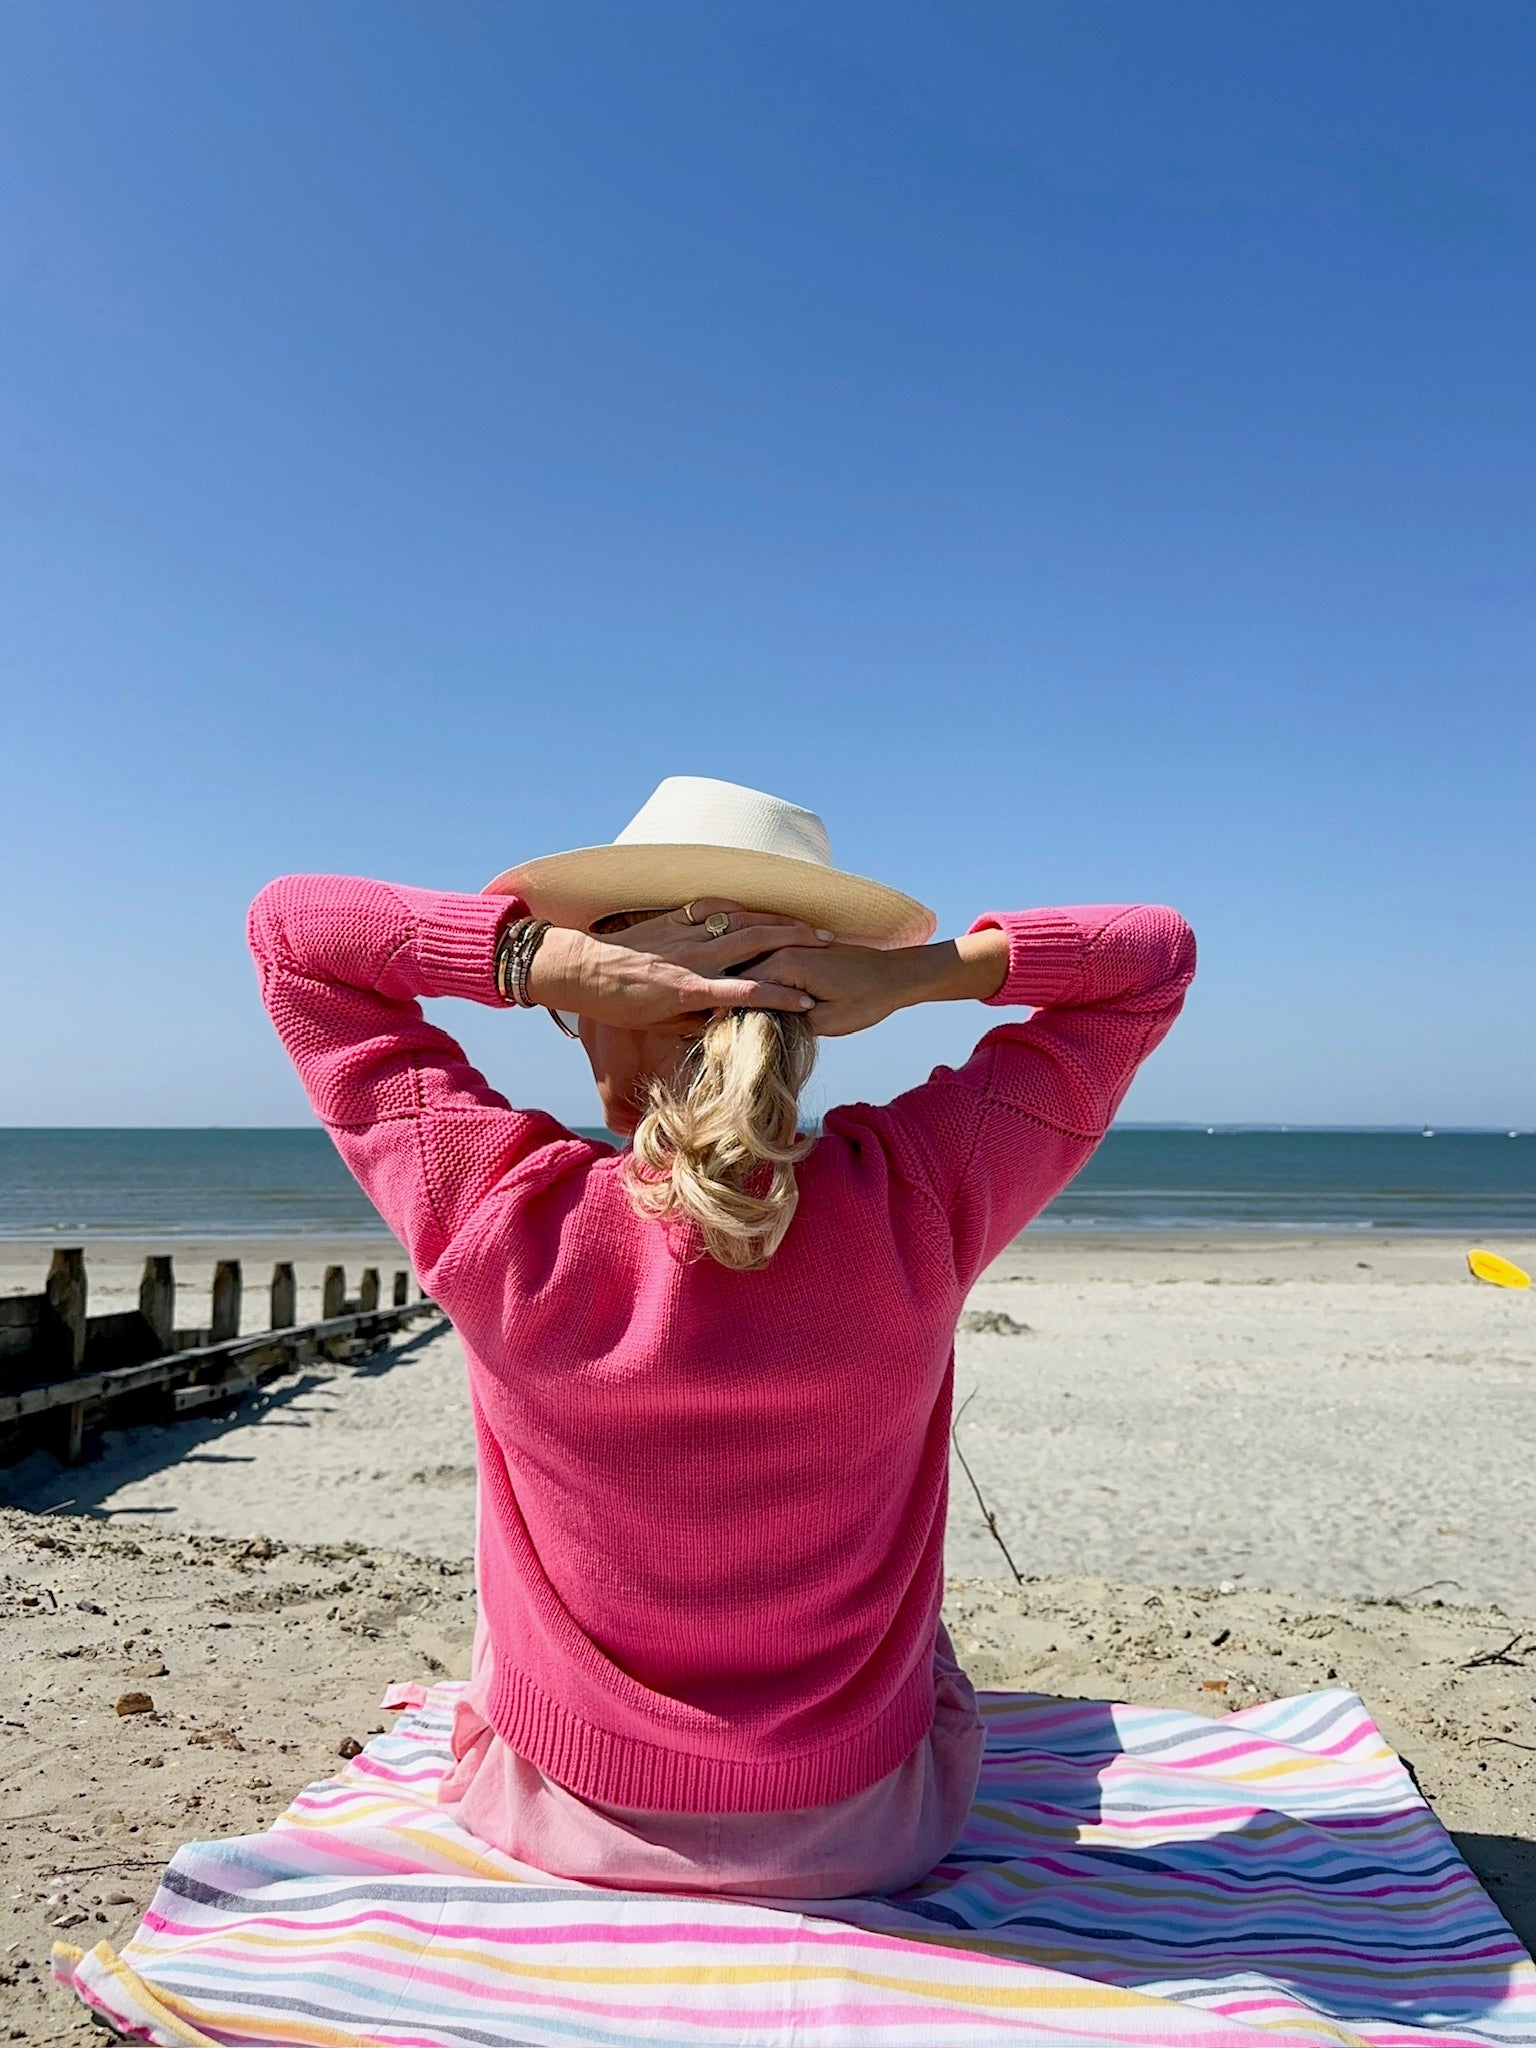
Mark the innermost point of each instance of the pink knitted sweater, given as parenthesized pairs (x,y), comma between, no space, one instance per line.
(712,1503)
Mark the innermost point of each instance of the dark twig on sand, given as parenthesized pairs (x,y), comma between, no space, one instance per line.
(1500,1656)
(986,1513)
(120,1863)
(1508,1740)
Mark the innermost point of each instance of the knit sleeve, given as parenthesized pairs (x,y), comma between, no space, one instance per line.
(995,1140)
(342,965)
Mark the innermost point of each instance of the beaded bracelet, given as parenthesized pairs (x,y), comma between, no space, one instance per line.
(525,944)
(514,959)
(503,948)
(522,963)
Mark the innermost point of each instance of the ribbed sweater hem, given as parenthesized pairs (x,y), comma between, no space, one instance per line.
(1045,956)
(455,943)
(625,1770)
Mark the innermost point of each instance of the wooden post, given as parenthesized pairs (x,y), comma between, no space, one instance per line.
(157,1299)
(368,1290)
(334,1297)
(66,1292)
(402,1289)
(285,1298)
(226,1301)
(67,1298)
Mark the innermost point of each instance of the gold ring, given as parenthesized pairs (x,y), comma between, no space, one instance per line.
(718,925)
(688,916)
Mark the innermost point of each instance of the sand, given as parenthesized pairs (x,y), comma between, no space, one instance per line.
(1333,1417)
(1183,1425)
(260,1661)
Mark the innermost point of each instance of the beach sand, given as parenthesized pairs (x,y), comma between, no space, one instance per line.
(1328,1416)
(1184,1425)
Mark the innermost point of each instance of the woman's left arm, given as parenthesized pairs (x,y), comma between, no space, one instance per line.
(1004,1133)
(342,964)
(994,1140)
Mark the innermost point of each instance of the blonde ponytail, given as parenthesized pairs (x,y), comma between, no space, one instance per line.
(719,1143)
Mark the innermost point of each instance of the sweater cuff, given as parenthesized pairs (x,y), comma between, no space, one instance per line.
(1045,956)
(456,944)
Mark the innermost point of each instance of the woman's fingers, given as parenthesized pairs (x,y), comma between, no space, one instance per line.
(741,935)
(821,970)
(773,928)
(694,913)
(753,941)
(728,994)
(852,986)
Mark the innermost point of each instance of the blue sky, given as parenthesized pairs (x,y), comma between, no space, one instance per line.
(1086,452)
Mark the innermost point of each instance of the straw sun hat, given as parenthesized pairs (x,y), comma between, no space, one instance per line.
(697,837)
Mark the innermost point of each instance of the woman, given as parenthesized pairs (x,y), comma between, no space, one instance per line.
(711,1374)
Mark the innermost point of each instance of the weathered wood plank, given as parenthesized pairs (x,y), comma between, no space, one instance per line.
(157,1299)
(402,1289)
(22,1318)
(126,1338)
(66,1292)
(34,1344)
(226,1301)
(185,1399)
(285,1297)
(368,1290)
(66,1289)
(270,1350)
(334,1293)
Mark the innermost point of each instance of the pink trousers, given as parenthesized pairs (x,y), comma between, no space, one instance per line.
(881,1839)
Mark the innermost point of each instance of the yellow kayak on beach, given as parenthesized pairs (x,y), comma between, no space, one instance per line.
(1496,1271)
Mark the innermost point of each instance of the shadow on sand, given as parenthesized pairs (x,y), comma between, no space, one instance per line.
(1505,1867)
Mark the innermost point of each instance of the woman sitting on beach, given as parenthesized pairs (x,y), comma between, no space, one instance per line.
(710,1374)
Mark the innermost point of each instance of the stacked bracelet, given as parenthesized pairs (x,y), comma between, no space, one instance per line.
(514,959)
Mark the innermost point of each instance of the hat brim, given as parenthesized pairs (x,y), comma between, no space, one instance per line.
(575,889)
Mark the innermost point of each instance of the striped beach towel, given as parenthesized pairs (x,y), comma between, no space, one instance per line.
(1129,1875)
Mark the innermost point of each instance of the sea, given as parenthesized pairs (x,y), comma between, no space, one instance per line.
(169,1184)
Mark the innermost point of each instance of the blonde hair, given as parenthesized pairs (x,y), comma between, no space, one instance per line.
(718,1144)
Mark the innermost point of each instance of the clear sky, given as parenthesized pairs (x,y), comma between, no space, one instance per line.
(1085,451)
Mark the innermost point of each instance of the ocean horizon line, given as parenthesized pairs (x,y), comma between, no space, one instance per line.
(265,1181)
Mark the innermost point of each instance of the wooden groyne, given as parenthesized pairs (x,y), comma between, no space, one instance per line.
(65,1372)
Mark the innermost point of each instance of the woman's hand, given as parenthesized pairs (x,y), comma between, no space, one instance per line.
(667,967)
(856,986)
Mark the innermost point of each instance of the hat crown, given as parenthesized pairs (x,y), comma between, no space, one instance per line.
(696,810)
